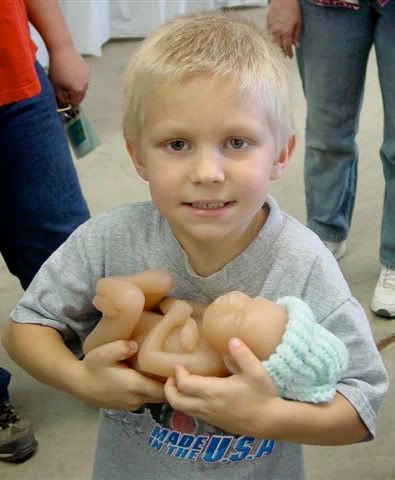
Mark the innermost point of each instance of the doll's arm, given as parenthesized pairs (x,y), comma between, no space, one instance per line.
(121,304)
(198,308)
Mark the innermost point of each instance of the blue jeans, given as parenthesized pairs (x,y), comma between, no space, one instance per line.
(41,201)
(332,60)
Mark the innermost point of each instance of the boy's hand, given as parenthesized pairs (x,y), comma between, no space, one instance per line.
(233,403)
(106,381)
(284,21)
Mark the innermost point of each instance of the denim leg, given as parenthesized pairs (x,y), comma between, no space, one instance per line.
(41,201)
(5,377)
(385,53)
(332,59)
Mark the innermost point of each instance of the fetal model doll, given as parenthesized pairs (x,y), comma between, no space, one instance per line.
(304,360)
(168,331)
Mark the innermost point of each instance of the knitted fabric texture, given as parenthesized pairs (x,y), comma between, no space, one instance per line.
(310,360)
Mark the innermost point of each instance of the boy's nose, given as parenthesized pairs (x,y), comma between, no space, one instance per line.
(207,167)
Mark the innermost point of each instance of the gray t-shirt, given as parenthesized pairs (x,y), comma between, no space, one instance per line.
(284,259)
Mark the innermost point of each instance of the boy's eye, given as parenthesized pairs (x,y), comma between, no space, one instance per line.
(177,145)
(237,143)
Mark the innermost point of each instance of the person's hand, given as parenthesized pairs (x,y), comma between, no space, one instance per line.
(69,75)
(105,380)
(234,403)
(284,21)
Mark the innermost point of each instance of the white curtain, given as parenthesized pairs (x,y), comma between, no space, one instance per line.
(89,22)
(93,22)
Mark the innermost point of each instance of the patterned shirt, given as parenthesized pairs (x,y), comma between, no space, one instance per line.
(354,4)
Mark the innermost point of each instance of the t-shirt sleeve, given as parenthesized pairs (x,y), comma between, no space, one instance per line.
(60,296)
(365,382)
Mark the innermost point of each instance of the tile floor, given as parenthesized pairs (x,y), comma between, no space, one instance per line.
(65,427)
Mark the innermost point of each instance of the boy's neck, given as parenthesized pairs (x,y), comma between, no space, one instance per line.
(209,258)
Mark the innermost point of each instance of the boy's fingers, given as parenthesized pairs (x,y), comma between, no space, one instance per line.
(244,358)
(193,385)
(170,387)
(152,390)
(178,400)
(183,383)
(115,352)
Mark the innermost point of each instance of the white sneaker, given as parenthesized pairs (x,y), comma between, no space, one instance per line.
(383,302)
(338,249)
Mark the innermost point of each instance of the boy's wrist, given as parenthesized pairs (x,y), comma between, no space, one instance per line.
(283,420)
(71,377)
(270,424)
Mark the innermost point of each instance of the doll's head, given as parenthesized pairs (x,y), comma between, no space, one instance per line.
(258,322)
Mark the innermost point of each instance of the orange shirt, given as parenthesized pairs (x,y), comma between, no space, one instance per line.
(18,78)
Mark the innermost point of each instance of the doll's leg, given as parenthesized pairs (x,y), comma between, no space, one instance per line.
(177,340)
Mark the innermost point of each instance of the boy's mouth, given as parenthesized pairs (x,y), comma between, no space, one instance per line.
(208,204)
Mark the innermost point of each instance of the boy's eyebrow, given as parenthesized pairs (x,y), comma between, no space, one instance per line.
(173,130)
(170,130)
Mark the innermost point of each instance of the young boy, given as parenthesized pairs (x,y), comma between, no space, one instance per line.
(207,123)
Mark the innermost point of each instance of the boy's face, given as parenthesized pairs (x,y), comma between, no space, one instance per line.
(208,155)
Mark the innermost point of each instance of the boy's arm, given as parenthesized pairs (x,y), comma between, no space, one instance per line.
(101,378)
(261,413)
(68,71)
(334,423)
(41,352)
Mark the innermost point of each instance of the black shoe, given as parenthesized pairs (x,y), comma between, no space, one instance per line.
(17,439)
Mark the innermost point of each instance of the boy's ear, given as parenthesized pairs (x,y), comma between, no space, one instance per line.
(137,160)
(284,156)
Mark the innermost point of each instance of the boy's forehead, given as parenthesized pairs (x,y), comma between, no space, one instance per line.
(204,110)
(219,91)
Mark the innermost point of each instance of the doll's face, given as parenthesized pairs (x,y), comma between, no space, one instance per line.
(258,322)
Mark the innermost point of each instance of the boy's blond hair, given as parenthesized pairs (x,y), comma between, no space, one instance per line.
(221,45)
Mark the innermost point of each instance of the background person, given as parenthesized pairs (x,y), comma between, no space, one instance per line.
(334,39)
(41,201)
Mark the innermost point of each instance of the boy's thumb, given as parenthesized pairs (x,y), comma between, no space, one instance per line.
(244,358)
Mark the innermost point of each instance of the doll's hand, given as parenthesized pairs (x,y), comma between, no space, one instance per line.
(106,381)
(233,403)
